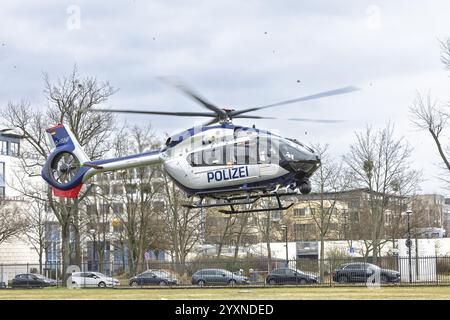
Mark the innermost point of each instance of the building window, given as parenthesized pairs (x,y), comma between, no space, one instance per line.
(14,149)
(354,216)
(117,208)
(131,188)
(300,212)
(4,147)
(158,206)
(91,209)
(104,208)
(9,148)
(158,187)
(117,189)
(2,173)
(333,226)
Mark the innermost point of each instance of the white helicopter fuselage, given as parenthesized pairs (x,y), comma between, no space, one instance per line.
(228,157)
(211,161)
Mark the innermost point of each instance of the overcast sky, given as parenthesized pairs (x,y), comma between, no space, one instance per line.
(241,54)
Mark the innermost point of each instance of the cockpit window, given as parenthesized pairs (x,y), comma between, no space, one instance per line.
(291,153)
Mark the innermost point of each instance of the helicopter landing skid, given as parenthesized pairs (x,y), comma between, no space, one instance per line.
(221,204)
(278,208)
(243,200)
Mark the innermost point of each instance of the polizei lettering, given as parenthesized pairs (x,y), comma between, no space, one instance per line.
(227,174)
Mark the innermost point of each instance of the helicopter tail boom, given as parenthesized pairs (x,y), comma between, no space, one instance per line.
(132,161)
(68,167)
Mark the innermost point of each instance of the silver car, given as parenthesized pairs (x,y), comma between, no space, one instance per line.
(217,277)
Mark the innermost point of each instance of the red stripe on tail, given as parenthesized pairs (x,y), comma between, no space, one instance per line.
(72,193)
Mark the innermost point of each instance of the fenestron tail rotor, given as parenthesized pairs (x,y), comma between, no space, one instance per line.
(225,115)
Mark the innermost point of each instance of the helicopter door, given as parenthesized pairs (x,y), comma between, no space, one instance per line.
(267,156)
(246,153)
(240,158)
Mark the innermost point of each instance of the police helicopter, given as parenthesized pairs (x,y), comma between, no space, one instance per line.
(231,164)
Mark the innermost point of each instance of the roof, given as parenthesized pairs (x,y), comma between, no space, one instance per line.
(10,132)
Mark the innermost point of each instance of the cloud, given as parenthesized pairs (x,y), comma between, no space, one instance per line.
(240,54)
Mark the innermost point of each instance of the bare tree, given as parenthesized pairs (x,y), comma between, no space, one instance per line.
(37,219)
(12,221)
(139,192)
(241,230)
(329,182)
(431,115)
(265,224)
(445,53)
(219,228)
(69,100)
(377,162)
(183,224)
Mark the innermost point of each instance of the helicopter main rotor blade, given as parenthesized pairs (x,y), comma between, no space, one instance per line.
(290,119)
(305,98)
(245,116)
(163,113)
(195,96)
(210,122)
(316,120)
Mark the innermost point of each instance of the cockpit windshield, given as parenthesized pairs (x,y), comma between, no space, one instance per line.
(291,153)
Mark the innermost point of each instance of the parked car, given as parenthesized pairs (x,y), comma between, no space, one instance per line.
(32,280)
(361,271)
(290,276)
(2,285)
(217,277)
(153,277)
(93,279)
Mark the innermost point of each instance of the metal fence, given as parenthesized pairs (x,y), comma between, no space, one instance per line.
(391,270)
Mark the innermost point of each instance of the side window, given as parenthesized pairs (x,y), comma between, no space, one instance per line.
(241,153)
(264,151)
(289,272)
(348,267)
(213,157)
(209,157)
(354,267)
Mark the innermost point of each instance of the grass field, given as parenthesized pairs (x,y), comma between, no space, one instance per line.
(356,293)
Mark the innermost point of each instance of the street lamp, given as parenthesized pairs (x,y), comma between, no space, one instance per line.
(92,231)
(284,227)
(409,244)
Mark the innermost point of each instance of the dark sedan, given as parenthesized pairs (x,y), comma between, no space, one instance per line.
(153,277)
(361,271)
(290,276)
(32,280)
